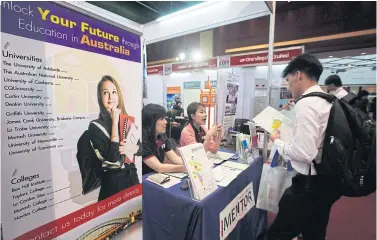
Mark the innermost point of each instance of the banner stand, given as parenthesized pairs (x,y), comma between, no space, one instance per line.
(269,75)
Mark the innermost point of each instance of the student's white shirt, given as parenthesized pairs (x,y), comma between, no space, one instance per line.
(340,93)
(310,123)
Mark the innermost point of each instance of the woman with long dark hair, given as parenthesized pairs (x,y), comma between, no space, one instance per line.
(155,143)
(195,132)
(118,170)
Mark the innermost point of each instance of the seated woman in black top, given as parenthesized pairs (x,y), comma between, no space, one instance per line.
(118,171)
(155,143)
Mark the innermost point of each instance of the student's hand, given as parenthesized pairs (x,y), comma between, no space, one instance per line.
(287,106)
(115,113)
(275,135)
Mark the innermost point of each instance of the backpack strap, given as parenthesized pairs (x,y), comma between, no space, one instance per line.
(327,97)
(100,127)
(98,154)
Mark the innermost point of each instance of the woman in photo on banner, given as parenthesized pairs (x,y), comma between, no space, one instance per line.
(116,155)
(195,132)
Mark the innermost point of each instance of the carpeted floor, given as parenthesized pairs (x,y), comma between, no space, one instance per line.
(351,219)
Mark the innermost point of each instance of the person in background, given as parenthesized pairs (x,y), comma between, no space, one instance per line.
(305,206)
(195,132)
(171,116)
(362,101)
(174,127)
(155,143)
(335,86)
(179,108)
(372,109)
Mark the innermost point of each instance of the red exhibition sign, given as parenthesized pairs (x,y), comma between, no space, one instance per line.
(210,63)
(155,70)
(261,58)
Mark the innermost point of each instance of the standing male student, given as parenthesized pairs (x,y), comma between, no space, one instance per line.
(335,86)
(305,206)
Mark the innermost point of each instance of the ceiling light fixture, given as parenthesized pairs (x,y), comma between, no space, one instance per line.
(182,56)
(363,53)
(197,6)
(330,56)
(196,56)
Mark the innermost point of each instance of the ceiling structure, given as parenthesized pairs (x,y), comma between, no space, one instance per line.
(143,12)
(342,61)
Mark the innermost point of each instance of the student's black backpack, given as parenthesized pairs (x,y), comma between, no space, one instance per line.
(349,150)
(350,98)
(90,165)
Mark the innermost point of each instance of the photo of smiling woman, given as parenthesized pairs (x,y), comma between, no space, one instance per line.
(156,144)
(195,132)
(117,170)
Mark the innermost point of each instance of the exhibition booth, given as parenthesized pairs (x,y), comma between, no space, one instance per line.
(245,73)
(80,53)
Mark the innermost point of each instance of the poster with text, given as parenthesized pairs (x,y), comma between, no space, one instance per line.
(71,96)
(231,99)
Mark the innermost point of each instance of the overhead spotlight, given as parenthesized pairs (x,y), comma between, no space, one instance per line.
(330,56)
(197,56)
(177,59)
(363,53)
(182,56)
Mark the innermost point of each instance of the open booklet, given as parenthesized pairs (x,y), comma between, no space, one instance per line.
(199,169)
(272,120)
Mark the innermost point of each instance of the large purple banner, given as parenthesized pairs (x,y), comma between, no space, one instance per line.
(49,22)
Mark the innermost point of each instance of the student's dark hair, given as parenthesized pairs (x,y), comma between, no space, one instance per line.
(333,79)
(307,64)
(362,93)
(192,108)
(150,114)
(104,114)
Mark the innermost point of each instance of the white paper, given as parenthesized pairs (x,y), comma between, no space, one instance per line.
(219,157)
(265,120)
(236,165)
(225,155)
(225,175)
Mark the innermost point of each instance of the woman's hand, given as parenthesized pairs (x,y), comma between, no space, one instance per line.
(215,131)
(115,114)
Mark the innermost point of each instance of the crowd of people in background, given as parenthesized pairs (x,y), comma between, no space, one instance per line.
(361,100)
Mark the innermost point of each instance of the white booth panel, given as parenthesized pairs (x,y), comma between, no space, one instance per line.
(202,17)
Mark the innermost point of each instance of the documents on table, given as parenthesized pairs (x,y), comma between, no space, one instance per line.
(236,165)
(180,175)
(225,175)
(219,157)
(163,180)
(225,155)
(271,120)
